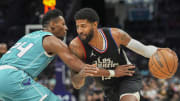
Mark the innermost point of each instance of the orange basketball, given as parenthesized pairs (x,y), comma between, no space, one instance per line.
(163,64)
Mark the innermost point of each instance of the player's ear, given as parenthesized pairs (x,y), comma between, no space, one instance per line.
(52,25)
(52,28)
(95,24)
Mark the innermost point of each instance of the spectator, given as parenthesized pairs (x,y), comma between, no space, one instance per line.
(3,48)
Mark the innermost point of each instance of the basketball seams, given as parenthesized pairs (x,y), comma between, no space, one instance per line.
(158,66)
(156,74)
(158,59)
(165,60)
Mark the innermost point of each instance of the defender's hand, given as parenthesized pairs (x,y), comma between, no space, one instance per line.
(124,70)
(88,70)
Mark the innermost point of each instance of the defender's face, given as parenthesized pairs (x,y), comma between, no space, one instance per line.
(85,30)
(59,27)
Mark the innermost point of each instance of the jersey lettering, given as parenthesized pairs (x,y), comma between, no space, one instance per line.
(22,49)
(105,63)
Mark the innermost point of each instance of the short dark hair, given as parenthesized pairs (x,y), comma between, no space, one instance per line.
(88,14)
(50,15)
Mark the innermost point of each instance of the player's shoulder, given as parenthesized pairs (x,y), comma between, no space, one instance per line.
(76,47)
(117,31)
(119,36)
(75,43)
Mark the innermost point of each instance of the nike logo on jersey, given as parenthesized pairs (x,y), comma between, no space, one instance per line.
(26,82)
(92,54)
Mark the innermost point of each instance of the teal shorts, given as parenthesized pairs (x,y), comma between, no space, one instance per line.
(16,85)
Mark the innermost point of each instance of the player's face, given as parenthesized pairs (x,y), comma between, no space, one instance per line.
(60,28)
(85,30)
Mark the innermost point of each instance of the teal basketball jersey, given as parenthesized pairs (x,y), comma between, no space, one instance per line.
(28,54)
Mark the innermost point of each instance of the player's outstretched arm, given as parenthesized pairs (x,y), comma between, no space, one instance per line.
(55,46)
(122,38)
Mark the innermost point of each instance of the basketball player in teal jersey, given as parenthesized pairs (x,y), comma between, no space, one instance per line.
(120,80)
(30,55)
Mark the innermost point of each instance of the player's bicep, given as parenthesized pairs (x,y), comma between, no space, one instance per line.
(120,36)
(53,45)
(124,38)
(56,46)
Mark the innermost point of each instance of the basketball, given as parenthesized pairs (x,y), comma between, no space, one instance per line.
(163,64)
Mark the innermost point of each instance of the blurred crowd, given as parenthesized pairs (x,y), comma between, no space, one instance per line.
(160,89)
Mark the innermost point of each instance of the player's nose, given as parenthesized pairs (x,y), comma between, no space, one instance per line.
(66,28)
(80,31)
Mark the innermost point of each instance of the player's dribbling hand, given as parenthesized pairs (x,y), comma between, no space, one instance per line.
(124,70)
(169,50)
(88,70)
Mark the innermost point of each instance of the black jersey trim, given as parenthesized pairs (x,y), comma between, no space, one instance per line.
(85,55)
(112,37)
(106,43)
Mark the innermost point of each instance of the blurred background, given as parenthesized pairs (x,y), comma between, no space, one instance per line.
(155,22)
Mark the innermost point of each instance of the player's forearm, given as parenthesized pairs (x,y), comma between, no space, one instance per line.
(72,61)
(76,64)
(144,50)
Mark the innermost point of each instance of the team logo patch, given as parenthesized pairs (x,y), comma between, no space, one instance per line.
(26,82)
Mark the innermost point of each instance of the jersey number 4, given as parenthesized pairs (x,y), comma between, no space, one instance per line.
(22,50)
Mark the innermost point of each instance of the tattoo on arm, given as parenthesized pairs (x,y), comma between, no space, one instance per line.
(123,37)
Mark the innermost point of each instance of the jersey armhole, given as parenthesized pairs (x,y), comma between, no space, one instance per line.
(46,53)
(113,37)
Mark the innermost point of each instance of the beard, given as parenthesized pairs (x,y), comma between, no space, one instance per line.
(88,38)
(61,38)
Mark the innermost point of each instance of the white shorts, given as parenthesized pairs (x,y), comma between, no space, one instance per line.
(136,94)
